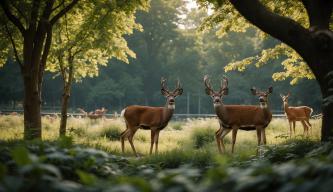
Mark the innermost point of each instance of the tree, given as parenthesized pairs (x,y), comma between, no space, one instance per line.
(314,43)
(28,28)
(227,19)
(87,38)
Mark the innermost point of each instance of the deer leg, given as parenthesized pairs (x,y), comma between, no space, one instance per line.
(130,139)
(156,141)
(223,134)
(234,134)
(294,125)
(309,125)
(290,126)
(259,138)
(152,136)
(263,136)
(306,129)
(217,137)
(122,140)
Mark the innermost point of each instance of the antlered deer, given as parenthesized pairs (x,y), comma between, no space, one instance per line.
(153,118)
(234,117)
(301,113)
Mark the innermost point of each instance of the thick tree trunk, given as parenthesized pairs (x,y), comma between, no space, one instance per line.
(32,105)
(64,107)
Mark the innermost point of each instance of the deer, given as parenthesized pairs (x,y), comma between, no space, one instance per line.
(150,118)
(293,114)
(243,117)
(85,114)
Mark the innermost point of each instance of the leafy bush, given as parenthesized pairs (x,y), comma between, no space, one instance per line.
(177,126)
(62,166)
(201,137)
(112,132)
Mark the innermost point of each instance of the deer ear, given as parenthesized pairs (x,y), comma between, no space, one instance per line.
(281,95)
(270,90)
(253,91)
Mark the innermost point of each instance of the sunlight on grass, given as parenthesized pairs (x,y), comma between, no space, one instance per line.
(189,135)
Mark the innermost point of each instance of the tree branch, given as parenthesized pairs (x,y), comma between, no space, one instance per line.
(14,46)
(34,15)
(282,28)
(20,12)
(46,50)
(63,11)
(319,12)
(11,17)
(56,7)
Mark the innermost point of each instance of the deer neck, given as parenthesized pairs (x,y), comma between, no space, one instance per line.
(267,113)
(285,106)
(221,111)
(167,113)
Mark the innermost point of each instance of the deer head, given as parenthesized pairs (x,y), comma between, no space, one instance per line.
(285,97)
(216,95)
(170,95)
(262,95)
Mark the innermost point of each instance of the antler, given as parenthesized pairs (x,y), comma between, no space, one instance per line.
(207,83)
(224,84)
(178,90)
(163,84)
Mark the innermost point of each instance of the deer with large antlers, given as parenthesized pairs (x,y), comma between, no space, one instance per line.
(300,113)
(243,117)
(149,118)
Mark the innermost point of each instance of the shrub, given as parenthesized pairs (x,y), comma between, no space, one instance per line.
(177,126)
(203,136)
(112,132)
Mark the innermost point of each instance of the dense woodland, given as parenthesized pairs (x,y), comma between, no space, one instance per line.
(172,46)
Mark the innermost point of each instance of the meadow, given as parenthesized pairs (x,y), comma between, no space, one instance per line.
(186,135)
(89,158)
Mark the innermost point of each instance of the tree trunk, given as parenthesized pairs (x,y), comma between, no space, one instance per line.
(64,107)
(32,105)
(66,94)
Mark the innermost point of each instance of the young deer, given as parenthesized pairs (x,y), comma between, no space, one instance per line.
(234,117)
(301,113)
(153,118)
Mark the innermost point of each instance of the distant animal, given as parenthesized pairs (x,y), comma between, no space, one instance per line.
(83,112)
(243,117)
(149,118)
(300,113)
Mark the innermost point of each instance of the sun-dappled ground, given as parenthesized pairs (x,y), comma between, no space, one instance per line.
(186,135)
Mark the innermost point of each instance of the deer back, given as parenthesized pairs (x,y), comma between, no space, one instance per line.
(136,115)
(245,115)
(298,112)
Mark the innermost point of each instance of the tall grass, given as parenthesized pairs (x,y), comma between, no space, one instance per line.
(192,135)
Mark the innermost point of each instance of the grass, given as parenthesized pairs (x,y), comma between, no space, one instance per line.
(184,136)
(187,160)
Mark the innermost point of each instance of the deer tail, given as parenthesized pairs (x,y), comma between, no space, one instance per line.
(311,110)
(123,112)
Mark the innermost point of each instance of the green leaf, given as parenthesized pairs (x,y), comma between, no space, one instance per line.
(21,156)
(86,178)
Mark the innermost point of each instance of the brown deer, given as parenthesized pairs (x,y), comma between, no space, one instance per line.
(301,113)
(149,118)
(243,117)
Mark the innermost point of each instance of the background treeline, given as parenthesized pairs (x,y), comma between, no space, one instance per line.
(169,48)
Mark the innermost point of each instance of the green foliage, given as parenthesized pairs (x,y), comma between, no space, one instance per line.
(112,133)
(226,18)
(202,136)
(307,166)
